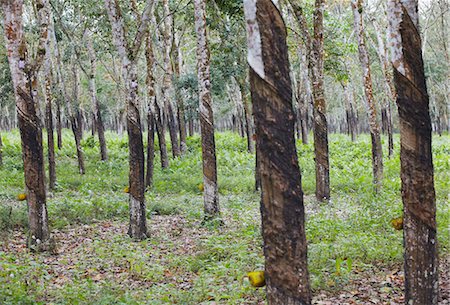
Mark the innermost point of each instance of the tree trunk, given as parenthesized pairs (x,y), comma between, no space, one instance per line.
(247,117)
(23,74)
(419,201)
(389,87)
(75,120)
(98,122)
(58,124)
(49,124)
(180,103)
(350,111)
(167,86)
(1,151)
(282,210)
(160,130)
(210,194)
(129,54)
(150,148)
(377,151)
(191,127)
(320,120)
(150,81)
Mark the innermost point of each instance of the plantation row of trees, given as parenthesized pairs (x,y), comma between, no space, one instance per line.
(48,43)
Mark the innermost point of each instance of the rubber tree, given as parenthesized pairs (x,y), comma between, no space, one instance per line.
(129,54)
(24,76)
(418,194)
(282,209)
(377,150)
(315,58)
(211,193)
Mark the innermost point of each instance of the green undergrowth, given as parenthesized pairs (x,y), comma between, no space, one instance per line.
(346,235)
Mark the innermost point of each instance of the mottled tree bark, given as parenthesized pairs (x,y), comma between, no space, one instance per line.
(23,74)
(49,121)
(377,151)
(314,54)
(389,88)
(167,86)
(151,95)
(282,210)
(129,54)
(319,109)
(419,201)
(98,122)
(179,100)
(210,194)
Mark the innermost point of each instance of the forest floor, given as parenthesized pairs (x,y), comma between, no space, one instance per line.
(77,250)
(355,256)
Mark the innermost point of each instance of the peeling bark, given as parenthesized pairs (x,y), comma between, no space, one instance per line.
(211,193)
(282,210)
(419,200)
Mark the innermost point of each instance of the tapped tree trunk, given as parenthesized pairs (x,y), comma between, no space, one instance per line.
(247,117)
(23,73)
(129,53)
(211,193)
(419,200)
(377,151)
(282,210)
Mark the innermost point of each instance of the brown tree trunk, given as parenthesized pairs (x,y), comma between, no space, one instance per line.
(24,77)
(282,210)
(377,151)
(419,201)
(129,53)
(210,194)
